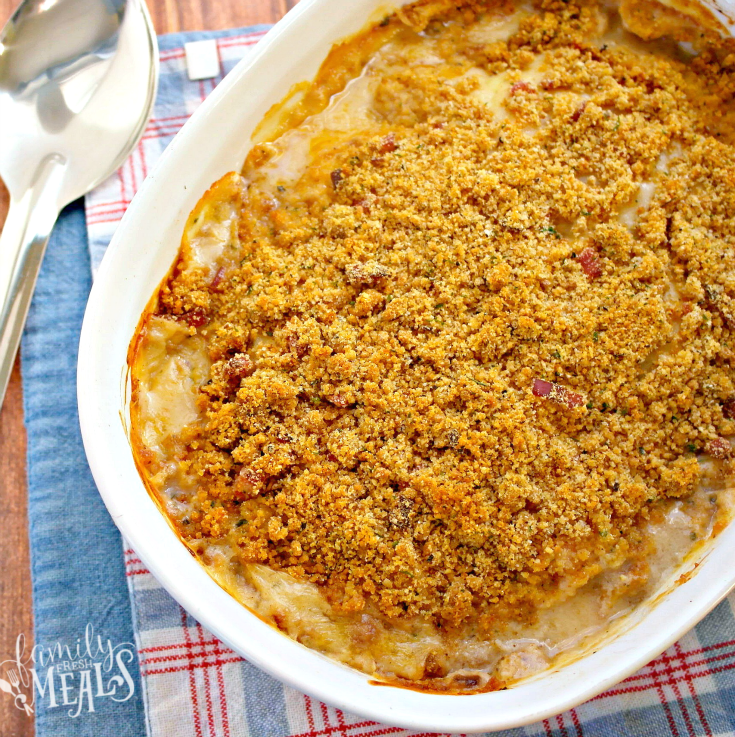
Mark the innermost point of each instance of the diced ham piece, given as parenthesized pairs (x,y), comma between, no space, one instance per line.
(388,144)
(366,203)
(542,388)
(239,366)
(338,400)
(590,263)
(718,448)
(218,277)
(248,483)
(197,317)
(520,87)
(296,346)
(557,393)
(577,114)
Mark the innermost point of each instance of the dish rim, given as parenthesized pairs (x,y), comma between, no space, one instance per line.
(101,390)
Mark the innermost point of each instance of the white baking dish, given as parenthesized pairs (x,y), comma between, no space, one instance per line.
(215,141)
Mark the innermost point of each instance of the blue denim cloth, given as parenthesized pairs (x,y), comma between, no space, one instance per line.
(76,550)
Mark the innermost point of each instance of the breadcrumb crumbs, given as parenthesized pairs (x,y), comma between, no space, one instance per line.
(460,359)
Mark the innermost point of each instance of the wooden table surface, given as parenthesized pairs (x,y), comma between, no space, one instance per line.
(15,582)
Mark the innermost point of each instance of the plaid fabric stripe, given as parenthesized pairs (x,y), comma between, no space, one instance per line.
(194,686)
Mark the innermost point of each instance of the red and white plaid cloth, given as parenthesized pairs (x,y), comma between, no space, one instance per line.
(194,686)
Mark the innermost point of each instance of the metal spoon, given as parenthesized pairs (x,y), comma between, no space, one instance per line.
(77,83)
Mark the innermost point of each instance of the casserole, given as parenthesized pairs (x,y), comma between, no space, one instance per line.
(408,709)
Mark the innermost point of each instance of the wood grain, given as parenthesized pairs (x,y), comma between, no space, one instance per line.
(15,582)
(189,15)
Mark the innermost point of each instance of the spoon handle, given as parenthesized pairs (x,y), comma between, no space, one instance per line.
(22,245)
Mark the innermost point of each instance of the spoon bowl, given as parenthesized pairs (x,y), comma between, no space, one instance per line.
(77,84)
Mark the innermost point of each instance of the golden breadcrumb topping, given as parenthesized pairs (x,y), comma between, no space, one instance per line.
(460,358)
